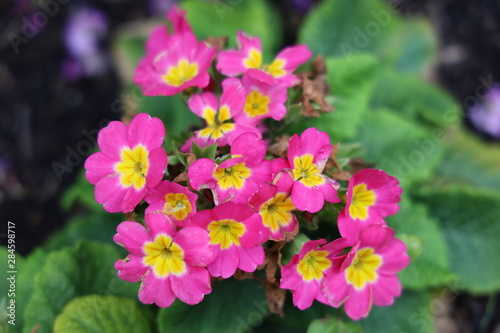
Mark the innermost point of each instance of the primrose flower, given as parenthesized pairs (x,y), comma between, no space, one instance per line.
(174,62)
(169,264)
(219,116)
(262,101)
(367,274)
(307,155)
(305,273)
(371,195)
(172,200)
(248,59)
(238,177)
(130,162)
(236,237)
(274,205)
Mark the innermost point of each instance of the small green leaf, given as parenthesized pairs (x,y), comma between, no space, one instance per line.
(233,306)
(293,247)
(108,314)
(207,152)
(333,325)
(83,269)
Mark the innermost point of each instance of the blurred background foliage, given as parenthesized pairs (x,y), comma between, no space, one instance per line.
(386,110)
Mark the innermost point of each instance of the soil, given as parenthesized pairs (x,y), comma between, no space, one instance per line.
(45,118)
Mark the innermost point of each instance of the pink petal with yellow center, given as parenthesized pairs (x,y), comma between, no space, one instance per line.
(112,139)
(158,161)
(145,130)
(194,241)
(114,198)
(305,198)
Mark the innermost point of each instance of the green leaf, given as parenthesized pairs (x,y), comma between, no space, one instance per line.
(207,152)
(95,226)
(226,18)
(469,220)
(83,269)
(469,161)
(351,81)
(233,306)
(369,27)
(398,146)
(409,313)
(429,266)
(414,99)
(97,314)
(333,325)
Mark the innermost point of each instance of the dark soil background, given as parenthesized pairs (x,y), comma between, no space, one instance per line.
(45,117)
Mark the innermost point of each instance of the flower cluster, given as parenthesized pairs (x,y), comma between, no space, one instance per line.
(255,198)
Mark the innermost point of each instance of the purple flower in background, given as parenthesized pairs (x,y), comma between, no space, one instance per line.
(84,29)
(485,116)
(160,7)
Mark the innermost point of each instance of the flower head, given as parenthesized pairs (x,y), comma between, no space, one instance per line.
(372,195)
(174,201)
(236,237)
(248,59)
(274,205)
(221,127)
(307,156)
(174,62)
(236,178)
(130,162)
(169,264)
(367,274)
(305,273)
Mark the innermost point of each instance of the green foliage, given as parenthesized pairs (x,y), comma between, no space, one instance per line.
(332,325)
(409,313)
(414,99)
(226,18)
(429,265)
(468,161)
(351,80)
(83,269)
(344,27)
(94,313)
(469,221)
(233,306)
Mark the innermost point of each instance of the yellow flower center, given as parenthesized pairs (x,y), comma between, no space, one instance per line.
(234,176)
(306,172)
(254,60)
(177,205)
(313,265)
(133,167)
(225,232)
(362,199)
(276,212)
(165,256)
(184,71)
(217,122)
(363,268)
(256,104)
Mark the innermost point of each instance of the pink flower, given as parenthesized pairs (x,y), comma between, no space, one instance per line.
(219,116)
(367,274)
(307,154)
(262,101)
(172,200)
(174,62)
(274,205)
(305,273)
(248,59)
(371,196)
(236,237)
(238,177)
(169,264)
(131,161)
